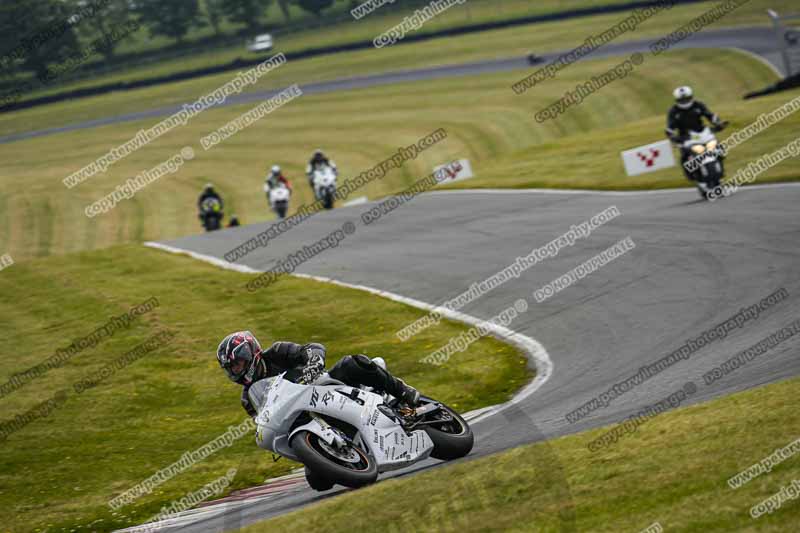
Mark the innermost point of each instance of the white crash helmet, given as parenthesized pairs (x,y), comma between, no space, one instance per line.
(276,169)
(684,97)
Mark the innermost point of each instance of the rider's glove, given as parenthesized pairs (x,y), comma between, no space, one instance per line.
(310,373)
(315,364)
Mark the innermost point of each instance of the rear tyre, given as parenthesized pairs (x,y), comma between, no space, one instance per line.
(351,466)
(451,435)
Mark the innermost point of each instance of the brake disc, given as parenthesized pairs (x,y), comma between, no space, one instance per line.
(346,454)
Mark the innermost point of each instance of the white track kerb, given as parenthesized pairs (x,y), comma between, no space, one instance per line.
(533,350)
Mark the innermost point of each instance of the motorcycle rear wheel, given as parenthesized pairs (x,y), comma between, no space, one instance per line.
(351,467)
(452,437)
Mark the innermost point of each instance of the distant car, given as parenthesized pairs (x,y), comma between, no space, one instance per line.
(534,59)
(261,43)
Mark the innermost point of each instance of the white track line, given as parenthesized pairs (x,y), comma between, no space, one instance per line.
(203,257)
(762,59)
(533,350)
(598,193)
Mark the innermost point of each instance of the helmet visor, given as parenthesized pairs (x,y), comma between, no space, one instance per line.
(237,362)
(238,367)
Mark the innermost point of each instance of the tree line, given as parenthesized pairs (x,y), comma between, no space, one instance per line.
(35,33)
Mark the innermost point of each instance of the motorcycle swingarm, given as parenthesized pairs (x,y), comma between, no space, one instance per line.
(427,409)
(420,413)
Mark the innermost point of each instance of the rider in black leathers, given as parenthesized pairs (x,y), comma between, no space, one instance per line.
(319,159)
(684,117)
(241,357)
(209,192)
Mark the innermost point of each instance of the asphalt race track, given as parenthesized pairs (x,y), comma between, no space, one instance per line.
(695,264)
(756,40)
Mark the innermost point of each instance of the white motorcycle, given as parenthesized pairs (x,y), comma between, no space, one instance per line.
(347,436)
(706,159)
(278,198)
(324,180)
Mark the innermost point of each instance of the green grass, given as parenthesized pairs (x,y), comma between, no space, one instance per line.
(674,471)
(320,33)
(486,122)
(60,471)
(503,43)
(592,160)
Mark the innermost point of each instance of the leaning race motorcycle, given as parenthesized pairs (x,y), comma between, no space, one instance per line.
(346,435)
(706,159)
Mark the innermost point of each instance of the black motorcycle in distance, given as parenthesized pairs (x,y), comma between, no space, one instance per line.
(211,214)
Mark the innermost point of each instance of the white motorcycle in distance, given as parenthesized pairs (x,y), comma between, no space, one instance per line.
(324,180)
(278,197)
(707,158)
(347,436)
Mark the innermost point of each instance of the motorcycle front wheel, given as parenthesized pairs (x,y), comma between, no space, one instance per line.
(212,224)
(349,466)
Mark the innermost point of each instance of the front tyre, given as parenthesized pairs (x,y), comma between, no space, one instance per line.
(350,466)
(317,483)
(327,199)
(211,223)
(451,435)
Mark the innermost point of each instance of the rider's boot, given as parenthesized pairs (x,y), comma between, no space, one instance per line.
(406,393)
(360,370)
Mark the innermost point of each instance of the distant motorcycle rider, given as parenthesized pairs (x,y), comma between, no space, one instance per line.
(209,192)
(241,357)
(274,178)
(686,116)
(317,160)
(209,215)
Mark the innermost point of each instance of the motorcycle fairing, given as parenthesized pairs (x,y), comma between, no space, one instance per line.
(281,402)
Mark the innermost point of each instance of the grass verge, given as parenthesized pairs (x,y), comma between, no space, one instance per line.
(359,129)
(673,471)
(319,33)
(503,43)
(592,160)
(59,471)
